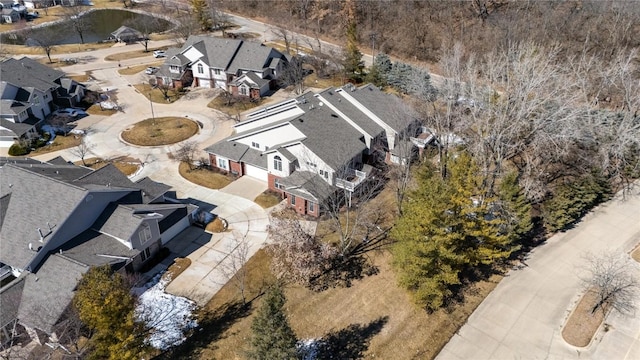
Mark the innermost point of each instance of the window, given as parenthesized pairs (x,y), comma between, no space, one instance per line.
(312,207)
(244,91)
(277,163)
(222,163)
(277,184)
(146,254)
(36,99)
(216,71)
(326,174)
(293,200)
(309,163)
(255,145)
(200,69)
(145,234)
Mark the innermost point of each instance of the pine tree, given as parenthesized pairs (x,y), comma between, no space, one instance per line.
(383,63)
(273,338)
(353,64)
(447,230)
(516,209)
(201,13)
(105,305)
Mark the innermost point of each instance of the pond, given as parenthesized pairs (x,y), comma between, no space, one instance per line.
(98,24)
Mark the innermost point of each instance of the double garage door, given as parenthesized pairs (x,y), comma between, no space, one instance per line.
(256,172)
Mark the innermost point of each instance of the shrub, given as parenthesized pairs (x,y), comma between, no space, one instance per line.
(573,200)
(18,150)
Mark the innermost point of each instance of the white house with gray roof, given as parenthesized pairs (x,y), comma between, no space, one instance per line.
(57,220)
(307,147)
(241,67)
(29,92)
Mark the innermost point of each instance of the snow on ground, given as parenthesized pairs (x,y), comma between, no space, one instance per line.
(308,348)
(168,315)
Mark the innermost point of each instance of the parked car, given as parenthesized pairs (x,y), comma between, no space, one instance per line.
(69,112)
(151,70)
(159,53)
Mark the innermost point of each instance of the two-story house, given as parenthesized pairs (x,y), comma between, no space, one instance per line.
(241,67)
(29,92)
(58,220)
(308,147)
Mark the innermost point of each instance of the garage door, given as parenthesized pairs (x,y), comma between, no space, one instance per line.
(205,83)
(221,84)
(256,172)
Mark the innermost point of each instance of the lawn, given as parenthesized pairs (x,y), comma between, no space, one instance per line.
(160,131)
(81,78)
(216,226)
(131,70)
(133,54)
(156,95)
(374,315)
(179,265)
(59,143)
(582,324)
(203,177)
(95,109)
(126,165)
(268,199)
(235,107)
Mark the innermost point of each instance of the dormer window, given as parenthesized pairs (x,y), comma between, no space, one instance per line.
(200,69)
(255,145)
(216,71)
(174,68)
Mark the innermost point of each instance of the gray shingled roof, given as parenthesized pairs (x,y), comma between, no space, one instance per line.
(10,298)
(12,107)
(229,149)
(126,33)
(48,292)
(255,157)
(151,189)
(329,137)
(252,56)
(87,247)
(382,104)
(35,201)
(217,52)
(255,83)
(118,221)
(65,172)
(20,128)
(352,112)
(307,185)
(27,73)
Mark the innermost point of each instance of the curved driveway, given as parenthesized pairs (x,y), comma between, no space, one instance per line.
(247,221)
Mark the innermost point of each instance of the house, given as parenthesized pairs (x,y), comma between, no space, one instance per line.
(127,35)
(29,92)
(57,220)
(10,15)
(309,147)
(240,67)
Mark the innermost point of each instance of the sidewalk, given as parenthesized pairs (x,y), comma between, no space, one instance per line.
(524,315)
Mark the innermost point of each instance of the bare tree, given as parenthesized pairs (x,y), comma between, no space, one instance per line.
(74,16)
(298,255)
(285,35)
(233,267)
(613,277)
(188,25)
(146,25)
(45,40)
(82,150)
(186,153)
(294,74)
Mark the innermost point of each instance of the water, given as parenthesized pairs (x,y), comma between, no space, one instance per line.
(100,25)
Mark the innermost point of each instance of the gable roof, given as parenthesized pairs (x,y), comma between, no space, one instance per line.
(28,73)
(353,113)
(382,104)
(36,201)
(92,248)
(329,137)
(19,128)
(251,57)
(48,292)
(307,185)
(217,52)
(252,80)
(118,221)
(125,32)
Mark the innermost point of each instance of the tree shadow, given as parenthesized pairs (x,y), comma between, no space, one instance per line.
(343,271)
(211,327)
(350,342)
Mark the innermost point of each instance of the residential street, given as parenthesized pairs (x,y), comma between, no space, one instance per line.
(524,315)
(247,221)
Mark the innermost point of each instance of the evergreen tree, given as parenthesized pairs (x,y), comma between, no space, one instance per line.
(447,230)
(273,338)
(352,62)
(516,208)
(105,305)
(400,76)
(383,63)
(201,13)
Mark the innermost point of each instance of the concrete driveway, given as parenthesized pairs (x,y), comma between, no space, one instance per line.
(246,187)
(524,316)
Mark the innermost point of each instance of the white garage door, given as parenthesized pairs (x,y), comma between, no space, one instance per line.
(256,172)
(205,83)
(221,84)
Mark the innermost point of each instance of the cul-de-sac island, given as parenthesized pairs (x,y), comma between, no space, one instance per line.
(319,179)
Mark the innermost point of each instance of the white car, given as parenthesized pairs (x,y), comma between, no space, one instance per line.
(69,112)
(151,70)
(159,53)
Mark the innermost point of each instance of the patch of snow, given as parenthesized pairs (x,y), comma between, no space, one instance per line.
(168,316)
(308,348)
